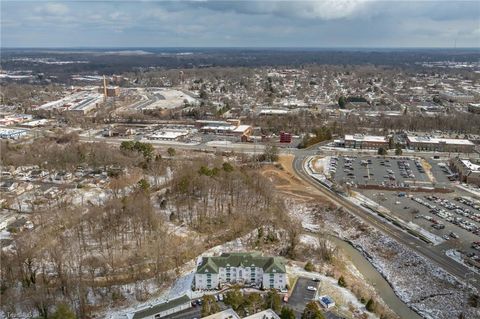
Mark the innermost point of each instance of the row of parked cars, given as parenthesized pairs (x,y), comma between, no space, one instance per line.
(469,202)
(459,210)
(405,169)
(419,166)
(446,215)
(332,167)
(199,302)
(476,245)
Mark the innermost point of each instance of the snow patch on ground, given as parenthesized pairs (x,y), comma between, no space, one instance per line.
(428,289)
(309,240)
(343,297)
(457,256)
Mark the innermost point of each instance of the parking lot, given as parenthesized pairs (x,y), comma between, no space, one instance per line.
(453,216)
(440,171)
(379,171)
(301,295)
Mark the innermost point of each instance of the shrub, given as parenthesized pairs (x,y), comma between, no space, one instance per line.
(370,306)
(342,282)
(309,266)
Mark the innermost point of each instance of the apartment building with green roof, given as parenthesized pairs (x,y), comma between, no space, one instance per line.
(241,268)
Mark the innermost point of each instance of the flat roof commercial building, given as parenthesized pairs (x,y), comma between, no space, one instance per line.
(361,141)
(468,171)
(267,112)
(427,143)
(229,127)
(457,97)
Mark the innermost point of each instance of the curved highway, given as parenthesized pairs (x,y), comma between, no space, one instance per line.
(422,248)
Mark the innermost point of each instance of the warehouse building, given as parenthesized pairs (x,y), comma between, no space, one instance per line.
(467,171)
(457,97)
(228,127)
(426,143)
(361,141)
(242,268)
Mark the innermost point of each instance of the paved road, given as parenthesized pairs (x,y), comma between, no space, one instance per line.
(392,231)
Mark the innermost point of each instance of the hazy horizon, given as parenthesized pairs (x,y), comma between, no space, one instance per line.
(252,23)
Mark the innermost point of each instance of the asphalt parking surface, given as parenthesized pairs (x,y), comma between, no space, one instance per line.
(437,171)
(402,207)
(301,296)
(375,171)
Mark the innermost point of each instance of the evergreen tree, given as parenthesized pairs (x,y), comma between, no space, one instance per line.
(342,282)
(309,266)
(287,313)
(342,102)
(234,298)
(63,312)
(370,306)
(312,311)
(209,305)
(273,301)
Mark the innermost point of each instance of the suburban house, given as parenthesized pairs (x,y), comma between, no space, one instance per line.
(241,268)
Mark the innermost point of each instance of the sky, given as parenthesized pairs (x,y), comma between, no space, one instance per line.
(235,23)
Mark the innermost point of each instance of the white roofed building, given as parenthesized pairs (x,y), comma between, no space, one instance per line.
(427,143)
(361,141)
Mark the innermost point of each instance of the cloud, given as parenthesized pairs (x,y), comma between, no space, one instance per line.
(52,9)
(313,9)
(240,23)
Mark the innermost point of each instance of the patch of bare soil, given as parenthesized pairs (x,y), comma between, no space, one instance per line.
(287,182)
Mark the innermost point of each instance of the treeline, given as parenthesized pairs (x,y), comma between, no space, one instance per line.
(292,123)
(65,152)
(205,58)
(462,123)
(319,135)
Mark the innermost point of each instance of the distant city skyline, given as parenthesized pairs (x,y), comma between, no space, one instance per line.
(251,24)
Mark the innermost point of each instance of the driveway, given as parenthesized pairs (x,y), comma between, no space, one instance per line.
(301,296)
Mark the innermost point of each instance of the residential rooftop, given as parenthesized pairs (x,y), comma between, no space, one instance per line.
(254,259)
